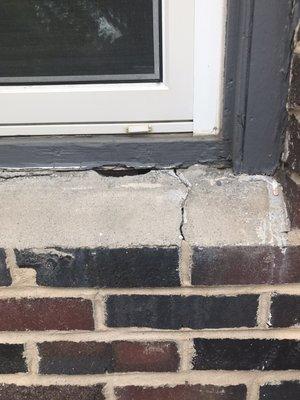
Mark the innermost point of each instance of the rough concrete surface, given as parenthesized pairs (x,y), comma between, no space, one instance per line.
(223,209)
(77,209)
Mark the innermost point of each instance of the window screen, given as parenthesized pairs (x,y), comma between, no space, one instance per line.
(59,41)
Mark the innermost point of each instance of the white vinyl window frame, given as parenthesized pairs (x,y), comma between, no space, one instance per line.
(189,99)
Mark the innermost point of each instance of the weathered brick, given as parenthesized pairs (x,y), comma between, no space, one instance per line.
(250,354)
(283,391)
(11,359)
(148,357)
(175,312)
(5,278)
(295,82)
(182,392)
(104,267)
(285,311)
(234,265)
(71,358)
(293,153)
(291,186)
(9,392)
(46,314)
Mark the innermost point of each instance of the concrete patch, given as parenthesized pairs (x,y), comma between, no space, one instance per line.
(223,209)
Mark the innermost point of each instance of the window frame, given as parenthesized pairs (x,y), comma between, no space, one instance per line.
(252,122)
(184,101)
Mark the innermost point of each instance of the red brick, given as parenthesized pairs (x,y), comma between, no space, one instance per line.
(182,392)
(148,357)
(14,392)
(46,314)
(245,265)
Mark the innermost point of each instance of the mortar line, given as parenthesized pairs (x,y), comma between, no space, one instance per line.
(264,310)
(32,357)
(253,391)
(135,334)
(109,392)
(185,264)
(153,379)
(99,313)
(90,293)
(20,277)
(186,352)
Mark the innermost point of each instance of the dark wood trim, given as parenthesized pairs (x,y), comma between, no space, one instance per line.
(90,152)
(260,106)
(258,52)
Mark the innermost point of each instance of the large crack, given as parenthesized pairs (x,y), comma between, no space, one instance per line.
(188,185)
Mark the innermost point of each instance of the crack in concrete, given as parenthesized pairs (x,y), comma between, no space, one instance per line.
(4,178)
(188,185)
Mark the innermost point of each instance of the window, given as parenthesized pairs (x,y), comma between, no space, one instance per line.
(111,66)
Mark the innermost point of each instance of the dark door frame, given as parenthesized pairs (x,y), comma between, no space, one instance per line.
(258,50)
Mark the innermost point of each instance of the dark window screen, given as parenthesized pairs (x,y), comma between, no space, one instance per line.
(59,41)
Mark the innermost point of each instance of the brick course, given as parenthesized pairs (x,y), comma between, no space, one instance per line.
(175,312)
(12,360)
(251,354)
(5,278)
(46,314)
(104,267)
(234,265)
(283,391)
(285,311)
(9,392)
(182,392)
(71,358)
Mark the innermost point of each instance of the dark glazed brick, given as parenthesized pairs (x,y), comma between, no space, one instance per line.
(11,359)
(284,391)
(5,278)
(253,354)
(244,265)
(295,83)
(292,194)
(46,314)
(293,156)
(175,312)
(285,311)
(182,392)
(104,267)
(71,358)
(14,392)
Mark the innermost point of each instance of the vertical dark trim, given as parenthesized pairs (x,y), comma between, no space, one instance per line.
(237,60)
(257,144)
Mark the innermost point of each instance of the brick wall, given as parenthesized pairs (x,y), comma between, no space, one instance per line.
(118,324)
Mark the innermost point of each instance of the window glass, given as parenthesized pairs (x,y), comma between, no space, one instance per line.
(79,41)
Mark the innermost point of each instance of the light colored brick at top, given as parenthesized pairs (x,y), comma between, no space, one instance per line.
(84,209)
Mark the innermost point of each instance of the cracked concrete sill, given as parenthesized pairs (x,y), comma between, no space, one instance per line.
(202,205)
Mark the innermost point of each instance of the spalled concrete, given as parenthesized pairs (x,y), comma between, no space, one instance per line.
(223,209)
